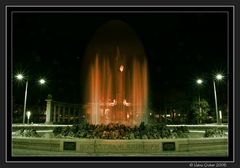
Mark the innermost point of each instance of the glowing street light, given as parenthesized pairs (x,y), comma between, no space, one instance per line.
(217,77)
(28,116)
(21,77)
(199,81)
(42,81)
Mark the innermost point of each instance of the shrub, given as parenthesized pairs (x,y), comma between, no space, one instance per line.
(66,131)
(214,132)
(165,133)
(75,128)
(57,131)
(27,133)
(180,132)
(120,131)
(19,132)
(142,126)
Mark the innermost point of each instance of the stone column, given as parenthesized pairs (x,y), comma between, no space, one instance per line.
(54,113)
(69,112)
(59,113)
(79,113)
(75,114)
(63,113)
(48,109)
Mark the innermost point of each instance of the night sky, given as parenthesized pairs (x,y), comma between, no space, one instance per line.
(179,46)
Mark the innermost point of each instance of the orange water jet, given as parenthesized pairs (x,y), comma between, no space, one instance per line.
(117,82)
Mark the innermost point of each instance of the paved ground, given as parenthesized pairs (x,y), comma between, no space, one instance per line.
(28,152)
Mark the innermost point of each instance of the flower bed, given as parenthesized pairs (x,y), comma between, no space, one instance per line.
(119,131)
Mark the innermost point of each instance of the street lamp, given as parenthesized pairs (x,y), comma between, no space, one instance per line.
(21,77)
(199,82)
(217,77)
(42,81)
(28,116)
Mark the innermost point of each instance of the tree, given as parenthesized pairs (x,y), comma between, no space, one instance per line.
(200,110)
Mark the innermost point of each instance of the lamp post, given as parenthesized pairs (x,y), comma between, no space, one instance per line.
(199,82)
(25,102)
(217,77)
(21,77)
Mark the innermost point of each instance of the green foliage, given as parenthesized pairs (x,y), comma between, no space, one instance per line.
(27,133)
(66,131)
(142,126)
(57,130)
(214,132)
(200,110)
(115,131)
(180,132)
(165,132)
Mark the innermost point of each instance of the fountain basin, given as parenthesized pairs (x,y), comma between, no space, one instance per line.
(138,146)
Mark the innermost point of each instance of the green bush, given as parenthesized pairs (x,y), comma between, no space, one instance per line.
(214,132)
(27,133)
(165,133)
(57,131)
(66,131)
(180,132)
(120,131)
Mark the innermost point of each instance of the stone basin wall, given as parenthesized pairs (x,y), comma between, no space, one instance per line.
(121,146)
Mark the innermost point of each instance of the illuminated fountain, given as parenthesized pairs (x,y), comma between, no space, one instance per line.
(117,81)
